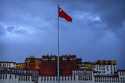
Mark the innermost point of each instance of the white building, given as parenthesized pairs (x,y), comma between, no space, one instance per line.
(6,64)
(105,67)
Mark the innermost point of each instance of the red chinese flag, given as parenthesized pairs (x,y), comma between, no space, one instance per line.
(63,14)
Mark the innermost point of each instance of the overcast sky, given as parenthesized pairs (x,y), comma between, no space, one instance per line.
(29,27)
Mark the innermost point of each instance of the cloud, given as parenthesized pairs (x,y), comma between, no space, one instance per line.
(86,16)
(111,12)
(16,30)
(2,30)
(10,28)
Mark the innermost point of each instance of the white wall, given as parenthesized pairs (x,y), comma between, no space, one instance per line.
(8,65)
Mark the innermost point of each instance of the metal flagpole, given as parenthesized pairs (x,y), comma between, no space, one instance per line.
(58,68)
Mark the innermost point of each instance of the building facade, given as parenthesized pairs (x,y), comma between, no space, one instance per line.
(105,67)
(72,70)
(7,64)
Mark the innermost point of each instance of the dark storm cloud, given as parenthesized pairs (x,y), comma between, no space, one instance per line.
(17,30)
(112,12)
(10,28)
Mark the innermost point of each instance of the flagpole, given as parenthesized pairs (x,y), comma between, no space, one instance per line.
(58,68)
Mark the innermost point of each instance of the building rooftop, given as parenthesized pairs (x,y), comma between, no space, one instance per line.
(7,62)
(106,62)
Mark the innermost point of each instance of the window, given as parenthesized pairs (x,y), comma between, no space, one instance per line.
(15,76)
(5,76)
(41,78)
(10,76)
